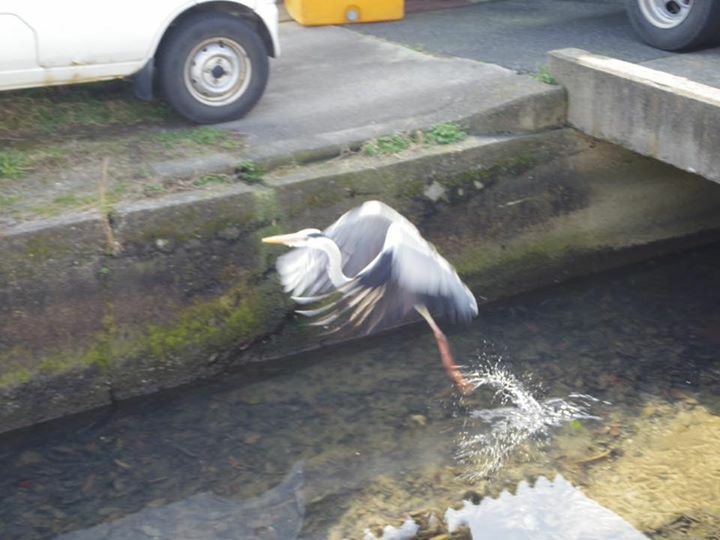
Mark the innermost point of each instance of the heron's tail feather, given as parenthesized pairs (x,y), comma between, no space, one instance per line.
(340,307)
(332,317)
(303,300)
(365,307)
(314,312)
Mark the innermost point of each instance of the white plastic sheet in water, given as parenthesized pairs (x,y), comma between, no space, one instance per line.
(549,510)
(275,515)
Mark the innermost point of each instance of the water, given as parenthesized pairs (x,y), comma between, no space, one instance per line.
(361,436)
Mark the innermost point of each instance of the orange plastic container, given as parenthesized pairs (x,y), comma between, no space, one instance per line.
(318,12)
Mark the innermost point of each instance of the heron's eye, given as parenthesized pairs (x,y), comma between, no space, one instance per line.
(314,235)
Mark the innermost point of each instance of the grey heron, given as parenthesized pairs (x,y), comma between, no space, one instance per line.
(371,269)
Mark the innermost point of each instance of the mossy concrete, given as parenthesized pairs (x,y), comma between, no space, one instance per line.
(150,295)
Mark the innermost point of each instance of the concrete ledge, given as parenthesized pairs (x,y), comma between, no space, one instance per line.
(522,105)
(659,115)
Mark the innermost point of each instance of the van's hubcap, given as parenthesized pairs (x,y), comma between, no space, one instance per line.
(665,14)
(217,71)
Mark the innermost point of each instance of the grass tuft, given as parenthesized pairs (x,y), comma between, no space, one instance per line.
(448,133)
(388,144)
(13,164)
(544,76)
(250,172)
(212,180)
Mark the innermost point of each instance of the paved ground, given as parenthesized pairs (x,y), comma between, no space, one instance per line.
(517,34)
(333,85)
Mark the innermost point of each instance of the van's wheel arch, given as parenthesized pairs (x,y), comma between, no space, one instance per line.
(212,67)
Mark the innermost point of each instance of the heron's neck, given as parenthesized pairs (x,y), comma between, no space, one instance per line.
(334,269)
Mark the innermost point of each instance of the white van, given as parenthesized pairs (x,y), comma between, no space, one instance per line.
(208,59)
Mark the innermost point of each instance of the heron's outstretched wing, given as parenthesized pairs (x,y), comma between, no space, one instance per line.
(359,233)
(407,272)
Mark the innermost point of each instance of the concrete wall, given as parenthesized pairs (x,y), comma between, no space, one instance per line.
(101,307)
(654,113)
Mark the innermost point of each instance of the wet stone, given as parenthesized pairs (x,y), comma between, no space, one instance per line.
(30,458)
(418,420)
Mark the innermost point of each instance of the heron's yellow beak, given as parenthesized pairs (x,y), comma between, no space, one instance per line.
(282,239)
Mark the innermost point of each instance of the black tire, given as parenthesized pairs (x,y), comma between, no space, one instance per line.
(227,39)
(700,27)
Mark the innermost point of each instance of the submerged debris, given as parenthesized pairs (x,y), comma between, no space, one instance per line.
(407,531)
(277,513)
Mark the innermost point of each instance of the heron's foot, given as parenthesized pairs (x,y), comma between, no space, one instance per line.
(464,386)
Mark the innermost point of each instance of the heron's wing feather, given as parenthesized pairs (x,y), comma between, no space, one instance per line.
(407,272)
(372,301)
(420,270)
(361,232)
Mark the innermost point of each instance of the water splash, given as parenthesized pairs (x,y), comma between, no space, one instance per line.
(484,448)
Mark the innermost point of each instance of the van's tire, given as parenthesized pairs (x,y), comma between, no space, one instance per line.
(212,67)
(675,25)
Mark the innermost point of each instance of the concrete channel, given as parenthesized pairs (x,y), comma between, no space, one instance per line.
(155,294)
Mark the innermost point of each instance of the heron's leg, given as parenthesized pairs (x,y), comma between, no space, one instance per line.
(461,383)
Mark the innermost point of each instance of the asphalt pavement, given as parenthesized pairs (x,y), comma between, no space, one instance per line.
(517,34)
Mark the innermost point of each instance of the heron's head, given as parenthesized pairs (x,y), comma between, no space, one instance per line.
(303,238)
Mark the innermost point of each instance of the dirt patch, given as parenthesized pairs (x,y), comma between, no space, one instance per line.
(54,141)
(84,111)
(45,180)
(669,471)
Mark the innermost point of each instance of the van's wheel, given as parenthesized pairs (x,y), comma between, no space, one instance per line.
(213,68)
(675,25)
